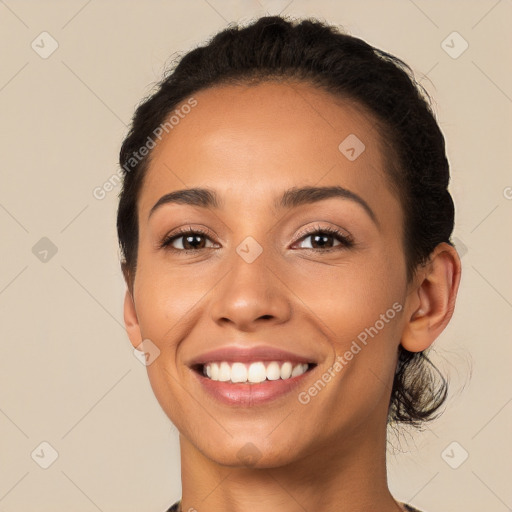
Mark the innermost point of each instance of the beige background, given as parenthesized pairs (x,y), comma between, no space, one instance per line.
(69,376)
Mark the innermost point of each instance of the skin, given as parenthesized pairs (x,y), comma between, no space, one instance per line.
(250,143)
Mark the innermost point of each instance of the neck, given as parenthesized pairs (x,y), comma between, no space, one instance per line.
(340,476)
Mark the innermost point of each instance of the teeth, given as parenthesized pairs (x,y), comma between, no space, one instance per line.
(238,372)
(297,370)
(286,370)
(273,371)
(224,372)
(254,372)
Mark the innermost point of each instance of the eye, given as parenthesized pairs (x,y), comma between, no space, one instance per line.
(190,240)
(322,236)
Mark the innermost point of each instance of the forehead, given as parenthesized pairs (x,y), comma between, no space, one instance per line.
(250,142)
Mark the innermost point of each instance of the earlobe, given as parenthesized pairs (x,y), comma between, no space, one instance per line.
(131,321)
(432,303)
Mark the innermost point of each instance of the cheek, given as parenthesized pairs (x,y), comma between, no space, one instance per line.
(359,311)
(358,308)
(168,299)
(351,296)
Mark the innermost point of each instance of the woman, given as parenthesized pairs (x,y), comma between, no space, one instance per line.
(285,231)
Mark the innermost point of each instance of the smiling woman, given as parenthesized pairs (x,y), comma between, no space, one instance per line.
(287,248)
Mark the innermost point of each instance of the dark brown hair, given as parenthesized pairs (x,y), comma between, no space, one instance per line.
(276,48)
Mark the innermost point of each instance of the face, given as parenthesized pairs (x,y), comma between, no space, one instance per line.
(318,278)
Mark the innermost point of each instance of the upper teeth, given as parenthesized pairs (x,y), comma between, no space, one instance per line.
(254,372)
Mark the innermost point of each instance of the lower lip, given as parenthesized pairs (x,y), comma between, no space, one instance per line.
(247,395)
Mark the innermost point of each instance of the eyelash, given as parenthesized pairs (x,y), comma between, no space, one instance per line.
(346,241)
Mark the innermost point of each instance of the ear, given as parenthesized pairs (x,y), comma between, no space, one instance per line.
(431,302)
(131,321)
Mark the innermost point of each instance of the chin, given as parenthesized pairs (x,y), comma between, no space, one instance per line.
(256,452)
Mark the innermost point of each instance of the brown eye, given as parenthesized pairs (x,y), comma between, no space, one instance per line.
(324,239)
(186,240)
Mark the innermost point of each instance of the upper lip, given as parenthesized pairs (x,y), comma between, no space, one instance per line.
(248,354)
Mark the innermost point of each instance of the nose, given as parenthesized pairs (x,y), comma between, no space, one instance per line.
(251,294)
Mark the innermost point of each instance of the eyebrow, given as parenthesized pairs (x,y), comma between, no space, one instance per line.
(291,198)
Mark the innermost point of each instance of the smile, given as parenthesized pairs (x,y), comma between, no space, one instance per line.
(240,384)
(256,372)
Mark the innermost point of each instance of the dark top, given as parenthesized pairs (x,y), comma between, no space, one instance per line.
(176,507)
